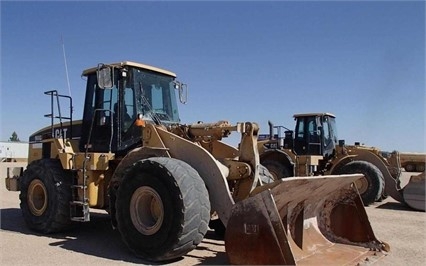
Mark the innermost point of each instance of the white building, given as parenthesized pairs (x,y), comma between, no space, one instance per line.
(13,150)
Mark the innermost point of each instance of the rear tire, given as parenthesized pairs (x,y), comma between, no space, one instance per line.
(420,168)
(162,209)
(45,196)
(371,187)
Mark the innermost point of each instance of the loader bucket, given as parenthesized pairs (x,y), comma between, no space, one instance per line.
(303,220)
(414,192)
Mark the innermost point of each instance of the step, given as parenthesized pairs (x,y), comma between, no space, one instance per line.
(80,203)
(78,186)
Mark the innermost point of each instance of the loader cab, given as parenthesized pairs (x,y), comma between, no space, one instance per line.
(315,134)
(120,99)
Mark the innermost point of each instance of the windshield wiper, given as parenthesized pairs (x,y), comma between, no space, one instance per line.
(145,104)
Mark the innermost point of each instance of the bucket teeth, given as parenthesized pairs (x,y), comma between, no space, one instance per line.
(307,220)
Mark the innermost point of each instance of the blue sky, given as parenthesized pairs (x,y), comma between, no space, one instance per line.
(364,61)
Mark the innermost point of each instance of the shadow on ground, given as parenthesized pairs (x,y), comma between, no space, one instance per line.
(211,239)
(95,238)
(396,206)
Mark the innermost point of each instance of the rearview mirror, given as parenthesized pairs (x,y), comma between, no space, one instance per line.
(183,91)
(105,75)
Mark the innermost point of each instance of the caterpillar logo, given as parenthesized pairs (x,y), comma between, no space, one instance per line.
(58,133)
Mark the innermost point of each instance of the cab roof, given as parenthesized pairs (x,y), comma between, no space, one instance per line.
(133,64)
(314,114)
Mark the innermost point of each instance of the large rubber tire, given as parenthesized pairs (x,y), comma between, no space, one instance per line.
(371,187)
(45,196)
(277,170)
(162,209)
(420,167)
(410,168)
(265,176)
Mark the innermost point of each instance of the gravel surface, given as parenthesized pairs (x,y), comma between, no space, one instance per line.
(96,243)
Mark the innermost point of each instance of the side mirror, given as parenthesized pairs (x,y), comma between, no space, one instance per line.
(105,75)
(183,91)
(319,130)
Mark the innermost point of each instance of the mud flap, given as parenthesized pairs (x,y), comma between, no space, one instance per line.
(303,220)
(414,192)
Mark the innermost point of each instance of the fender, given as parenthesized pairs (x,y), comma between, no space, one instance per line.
(342,161)
(133,156)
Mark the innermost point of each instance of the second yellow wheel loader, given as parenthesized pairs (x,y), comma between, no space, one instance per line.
(162,181)
(313,148)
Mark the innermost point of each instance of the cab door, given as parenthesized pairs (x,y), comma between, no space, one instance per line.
(308,136)
(98,130)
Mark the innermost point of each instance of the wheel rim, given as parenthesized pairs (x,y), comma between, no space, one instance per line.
(361,185)
(37,197)
(146,210)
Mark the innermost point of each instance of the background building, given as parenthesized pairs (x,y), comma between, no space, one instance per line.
(11,151)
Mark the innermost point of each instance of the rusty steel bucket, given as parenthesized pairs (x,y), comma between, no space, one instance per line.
(304,221)
(414,192)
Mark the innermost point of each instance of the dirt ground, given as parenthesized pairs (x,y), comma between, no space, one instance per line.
(96,243)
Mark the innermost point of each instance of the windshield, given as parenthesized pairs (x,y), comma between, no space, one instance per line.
(156,95)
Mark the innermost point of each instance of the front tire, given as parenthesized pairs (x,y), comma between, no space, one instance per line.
(410,168)
(45,196)
(162,209)
(371,187)
(276,169)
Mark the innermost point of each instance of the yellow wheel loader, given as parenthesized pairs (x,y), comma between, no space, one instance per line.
(410,161)
(162,181)
(314,149)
